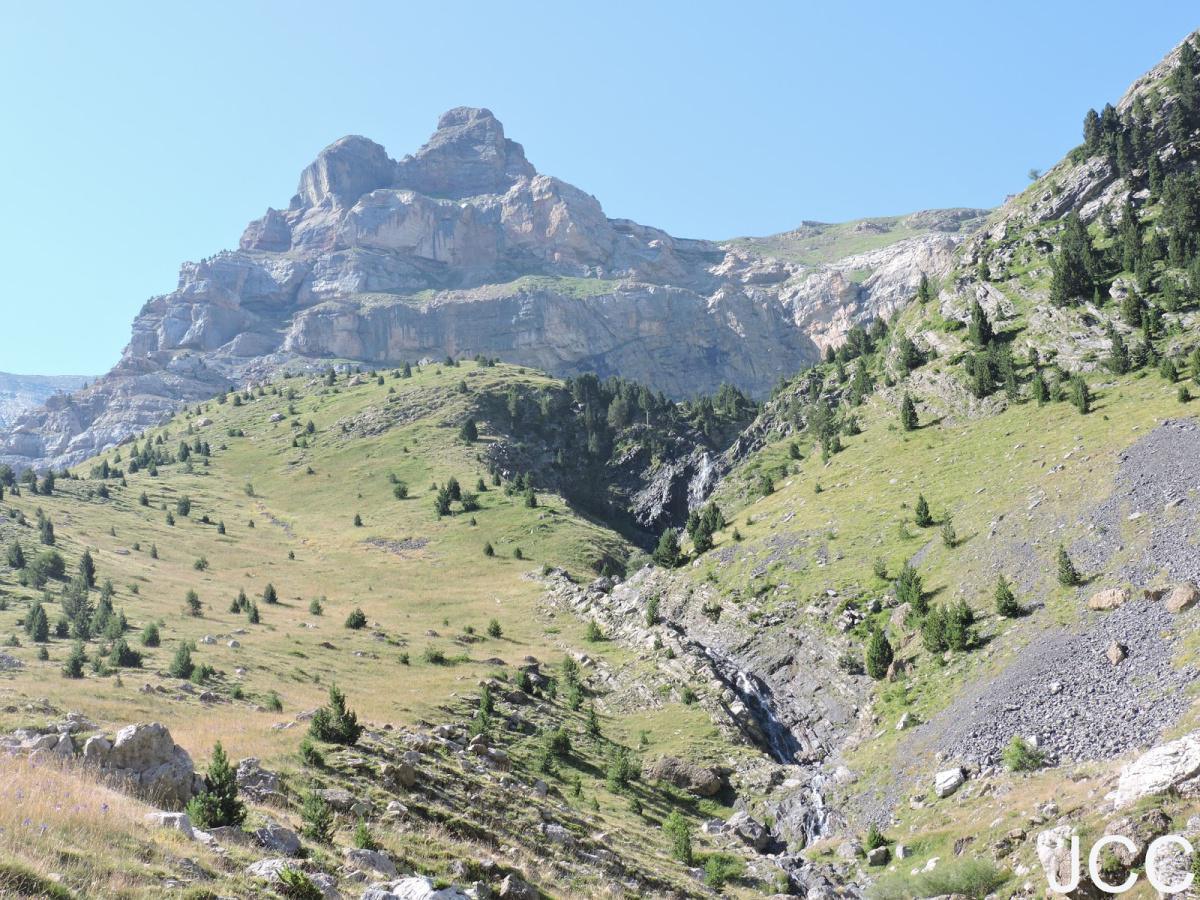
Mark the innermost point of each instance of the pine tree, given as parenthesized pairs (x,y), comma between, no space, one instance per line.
(879,654)
(1006,603)
(181,664)
(666,552)
(1081,397)
(469,431)
(1068,576)
(269,594)
(218,804)
(949,535)
(37,624)
(73,666)
(680,834)
(921,515)
(335,723)
(910,590)
(1167,370)
(1038,389)
(16,556)
(908,414)
(924,289)
(980,329)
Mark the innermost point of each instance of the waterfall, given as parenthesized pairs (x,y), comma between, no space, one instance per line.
(782,744)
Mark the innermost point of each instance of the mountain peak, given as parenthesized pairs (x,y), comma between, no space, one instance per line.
(467,155)
(344,171)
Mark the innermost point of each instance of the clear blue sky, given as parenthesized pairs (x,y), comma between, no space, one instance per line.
(140,135)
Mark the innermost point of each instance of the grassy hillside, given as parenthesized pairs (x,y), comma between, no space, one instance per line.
(276,502)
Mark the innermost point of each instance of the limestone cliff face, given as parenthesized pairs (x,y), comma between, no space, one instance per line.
(464,248)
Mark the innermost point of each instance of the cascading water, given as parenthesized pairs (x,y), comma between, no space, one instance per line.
(780,742)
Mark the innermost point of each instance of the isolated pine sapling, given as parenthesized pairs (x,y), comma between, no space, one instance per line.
(335,723)
(182,665)
(356,620)
(317,819)
(493,628)
(76,660)
(1006,602)
(679,833)
(908,413)
(218,804)
(921,514)
(949,535)
(910,590)
(1068,576)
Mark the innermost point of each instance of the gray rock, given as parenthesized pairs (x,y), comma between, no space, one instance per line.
(514,888)
(704,781)
(749,831)
(370,861)
(278,839)
(948,781)
(176,821)
(144,757)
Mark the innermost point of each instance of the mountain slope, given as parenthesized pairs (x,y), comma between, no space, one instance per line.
(464,249)
(19,393)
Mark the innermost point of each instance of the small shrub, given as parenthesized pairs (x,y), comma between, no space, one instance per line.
(493,629)
(363,839)
(1022,756)
(356,620)
(721,868)
(294,884)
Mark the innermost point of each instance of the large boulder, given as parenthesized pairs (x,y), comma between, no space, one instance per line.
(1158,770)
(370,861)
(1182,596)
(1054,853)
(1112,598)
(257,783)
(948,781)
(514,888)
(704,781)
(146,759)
(750,831)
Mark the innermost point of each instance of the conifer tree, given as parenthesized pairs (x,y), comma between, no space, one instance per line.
(921,515)
(666,552)
(1006,603)
(335,723)
(879,654)
(980,329)
(908,414)
(218,805)
(16,556)
(1068,576)
(910,590)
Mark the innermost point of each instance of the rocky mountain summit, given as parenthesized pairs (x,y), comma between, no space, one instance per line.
(463,248)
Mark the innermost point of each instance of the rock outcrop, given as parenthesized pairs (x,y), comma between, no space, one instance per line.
(463,248)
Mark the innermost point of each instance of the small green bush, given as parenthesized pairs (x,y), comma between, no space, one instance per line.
(1022,756)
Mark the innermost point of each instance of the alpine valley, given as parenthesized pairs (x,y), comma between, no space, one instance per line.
(449,538)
